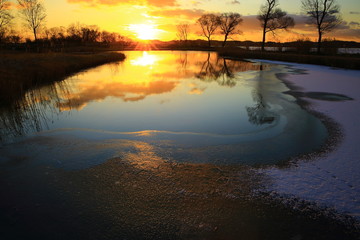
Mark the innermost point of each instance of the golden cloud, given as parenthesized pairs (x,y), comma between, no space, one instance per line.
(157,3)
(127,92)
(178,12)
(196,91)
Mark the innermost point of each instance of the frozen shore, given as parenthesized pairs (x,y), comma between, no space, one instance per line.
(331,180)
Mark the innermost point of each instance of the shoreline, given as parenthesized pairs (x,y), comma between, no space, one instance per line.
(334,128)
(338,61)
(21,72)
(313,177)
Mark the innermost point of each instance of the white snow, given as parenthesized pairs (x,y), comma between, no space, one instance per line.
(332,180)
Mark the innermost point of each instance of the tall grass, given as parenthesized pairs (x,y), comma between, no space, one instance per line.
(22,71)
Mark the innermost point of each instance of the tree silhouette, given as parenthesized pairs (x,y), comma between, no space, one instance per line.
(324,14)
(228,24)
(5,17)
(90,33)
(33,13)
(74,32)
(182,32)
(110,37)
(208,23)
(272,19)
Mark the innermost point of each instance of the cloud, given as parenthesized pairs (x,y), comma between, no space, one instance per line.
(7,6)
(195,3)
(188,13)
(343,25)
(11,5)
(234,2)
(355,24)
(160,3)
(196,91)
(98,91)
(345,31)
(157,3)
(251,21)
(348,34)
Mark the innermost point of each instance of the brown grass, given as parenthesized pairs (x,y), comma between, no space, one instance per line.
(20,72)
(348,62)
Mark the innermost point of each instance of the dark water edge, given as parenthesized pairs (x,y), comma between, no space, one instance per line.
(118,200)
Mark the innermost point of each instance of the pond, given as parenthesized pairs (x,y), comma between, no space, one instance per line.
(164,145)
(183,106)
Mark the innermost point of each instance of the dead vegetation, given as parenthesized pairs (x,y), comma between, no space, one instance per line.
(20,72)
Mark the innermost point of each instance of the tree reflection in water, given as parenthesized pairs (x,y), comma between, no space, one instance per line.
(37,108)
(182,61)
(260,114)
(223,71)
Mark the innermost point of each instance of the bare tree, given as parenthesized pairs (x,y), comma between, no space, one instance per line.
(5,16)
(33,13)
(74,32)
(208,23)
(228,24)
(90,34)
(182,31)
(55,33)
(272,19)
(324,14)
(108,37)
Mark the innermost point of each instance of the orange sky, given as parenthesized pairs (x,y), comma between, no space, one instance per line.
(160,17)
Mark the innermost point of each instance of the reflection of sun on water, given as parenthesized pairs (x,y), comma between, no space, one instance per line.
(145,60)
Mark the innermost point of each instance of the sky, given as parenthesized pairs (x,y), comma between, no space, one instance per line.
(158,18)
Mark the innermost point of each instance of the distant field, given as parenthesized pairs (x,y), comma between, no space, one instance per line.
(340,61)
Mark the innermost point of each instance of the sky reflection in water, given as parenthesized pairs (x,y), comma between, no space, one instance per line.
(185,106)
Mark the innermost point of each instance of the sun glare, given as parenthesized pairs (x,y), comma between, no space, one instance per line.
(144,31)
(144,60)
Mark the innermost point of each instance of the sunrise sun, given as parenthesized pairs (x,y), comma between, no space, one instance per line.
(144,31)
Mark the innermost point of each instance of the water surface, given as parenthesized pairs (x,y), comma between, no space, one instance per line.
(184,106)
(165,145)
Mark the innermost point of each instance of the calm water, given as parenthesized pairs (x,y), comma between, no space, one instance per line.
(165,145)
(186,106)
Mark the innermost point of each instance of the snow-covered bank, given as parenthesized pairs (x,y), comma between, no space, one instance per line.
(332,180)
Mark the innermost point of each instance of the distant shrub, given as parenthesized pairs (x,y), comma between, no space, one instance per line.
(330,46)
(303,45)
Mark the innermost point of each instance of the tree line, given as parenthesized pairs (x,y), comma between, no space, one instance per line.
(33,16)
(324,15)
(81,33)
